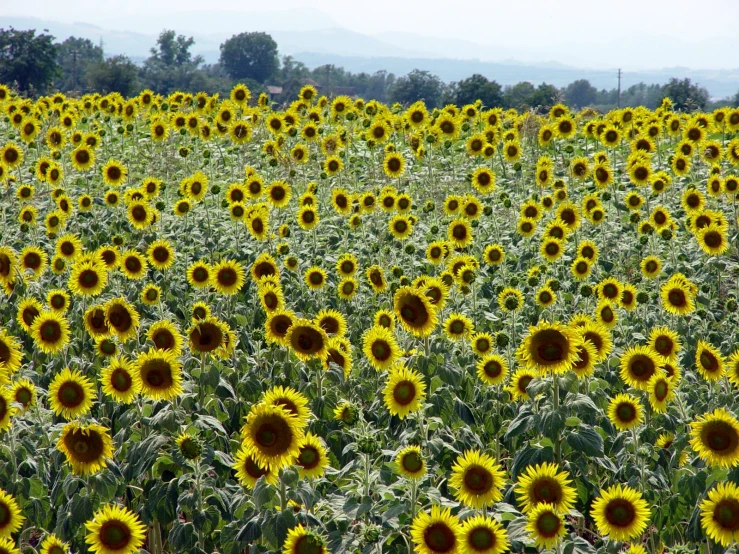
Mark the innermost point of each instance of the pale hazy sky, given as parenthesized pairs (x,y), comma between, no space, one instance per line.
(641,27)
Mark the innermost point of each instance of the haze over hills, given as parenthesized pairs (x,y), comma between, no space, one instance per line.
(313,37)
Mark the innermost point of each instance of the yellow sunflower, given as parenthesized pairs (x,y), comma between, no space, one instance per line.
(478,479)
(122,318)
(404,392)
(272,435)
(71,394)
(227,277)
(300,540)
(546,526)
(720,514)
(715,438)
(410,462)
(638,365)
(380,347)
(249,471)
(115,530)
(620,513)
(483,535)
(119,380)
(414,311)
(709,361)
(312,459)
(545,484)
(50,332)
(549,348)
(436,533)
(86,447)
(160,374)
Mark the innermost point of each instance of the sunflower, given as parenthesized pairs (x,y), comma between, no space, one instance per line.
(28,310)
(11,518)
(271,297)
(625,412)
(404,392)
(720,514)
(115,530)
(715,438)
(481,343)
(414,311)
(380,347)
(11,354)
(549,347)
(347,288)
(87,278)
(307,340)
(7,410)
(86,447)
(676,297)
(546,526)
(96,323)
(638,365)
(33,260)
(483,180)
(300,540)
(410,462)
(605,314)
(11,156)
(71,394)
(161,254)
(315,277)
(249,471)
(133,265)
(227,277)
(8,265)
(712,240)
(400,227)
(122,318)
(50,332)
(385,318)
(23,392)
(460,233)
(458,326)
(665,342)
(119,381)
(83,158)
(160,374)
(53,545)
(199,274)
(545,484)
(492,369)
(545,297)
(272,435)
(312,459)
(376,277)
(208,335)
(477,479)
(277,327)
(620,513)
(520,381)
(587,358)
(551,249)
(436,533)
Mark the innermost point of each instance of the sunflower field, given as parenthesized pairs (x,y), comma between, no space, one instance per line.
(346,327)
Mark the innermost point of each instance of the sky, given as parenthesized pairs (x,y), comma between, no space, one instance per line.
(651,33)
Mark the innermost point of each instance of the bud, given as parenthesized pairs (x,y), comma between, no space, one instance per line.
(502,340)
(586,291)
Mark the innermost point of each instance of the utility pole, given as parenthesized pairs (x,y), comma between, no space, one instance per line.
(619,88)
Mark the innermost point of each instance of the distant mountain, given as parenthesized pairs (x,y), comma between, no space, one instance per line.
(720,83)
(314,38)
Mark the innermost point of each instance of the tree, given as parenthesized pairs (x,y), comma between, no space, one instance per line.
(74,56)
(172,66)
(116,74)
(417,85)
(518,95)
(685,95)
(27,59)
(580,93)
(545,96)
(478,87)
(250,56)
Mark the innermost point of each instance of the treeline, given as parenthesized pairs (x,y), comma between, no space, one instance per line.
(35,64)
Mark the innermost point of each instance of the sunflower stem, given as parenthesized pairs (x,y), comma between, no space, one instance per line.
(555,408)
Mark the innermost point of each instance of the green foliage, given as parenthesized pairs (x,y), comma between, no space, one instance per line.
(27,59)
(250,56)
(417,85)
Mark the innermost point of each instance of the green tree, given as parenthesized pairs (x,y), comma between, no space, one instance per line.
(116,74)
(74,56)
(250,56)
(580,93)
(478,87)
(417,85)
(519,95)
(685,95)
(172,66)
(27,59)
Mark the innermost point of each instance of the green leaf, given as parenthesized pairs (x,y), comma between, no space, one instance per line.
(586,440)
